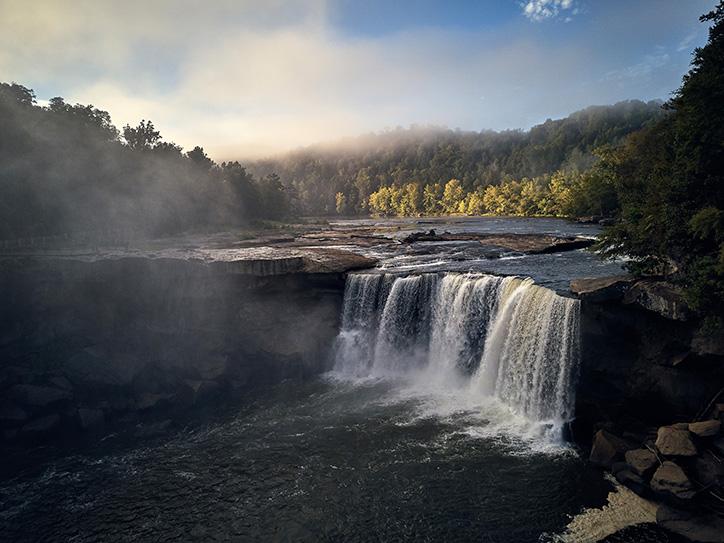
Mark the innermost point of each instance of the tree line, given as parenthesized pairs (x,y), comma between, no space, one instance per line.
(66,168)
(669,183)
(341,178)
(561,194)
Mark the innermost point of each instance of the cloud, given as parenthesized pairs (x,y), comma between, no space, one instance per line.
(246,78)
(540,10)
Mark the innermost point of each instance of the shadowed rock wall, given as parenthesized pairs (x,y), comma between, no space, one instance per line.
(84,342)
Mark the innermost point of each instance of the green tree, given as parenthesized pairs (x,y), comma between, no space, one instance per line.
(142,137)
(669,181)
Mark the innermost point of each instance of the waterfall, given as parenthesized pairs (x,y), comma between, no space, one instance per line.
(505,337)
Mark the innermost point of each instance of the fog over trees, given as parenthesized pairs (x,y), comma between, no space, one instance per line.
(66,169)
(356,169)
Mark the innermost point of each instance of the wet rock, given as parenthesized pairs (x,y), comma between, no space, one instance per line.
(607,448)
(632,481)
(213,367)
(154,429)
(669,479)
(660,297)
(601,289)
(672,441)
(642,461)
(41,427)
(700,528)
(90,368)
(708,470)
(90,418)
(707,428)
(38,396)
(150,400)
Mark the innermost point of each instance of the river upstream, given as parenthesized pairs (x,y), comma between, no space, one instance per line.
(444,418)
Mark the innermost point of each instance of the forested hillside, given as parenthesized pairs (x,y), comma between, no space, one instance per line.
(340,178)
(66,169)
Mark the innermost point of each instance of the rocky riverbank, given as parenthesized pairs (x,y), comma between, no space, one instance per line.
(650,400)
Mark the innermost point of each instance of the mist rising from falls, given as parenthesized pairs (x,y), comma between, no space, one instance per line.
(501,338)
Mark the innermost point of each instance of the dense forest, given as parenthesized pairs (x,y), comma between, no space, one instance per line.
(341,178)
(66,169)
(669,184)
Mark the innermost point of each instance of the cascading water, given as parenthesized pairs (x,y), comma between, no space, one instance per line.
(505,337)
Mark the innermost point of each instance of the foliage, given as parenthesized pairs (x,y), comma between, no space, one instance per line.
(562,194)
(429,156)
(65,168)
(669,181)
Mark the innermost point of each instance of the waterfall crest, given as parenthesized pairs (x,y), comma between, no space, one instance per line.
(506,337)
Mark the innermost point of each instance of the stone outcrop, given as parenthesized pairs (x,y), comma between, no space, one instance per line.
(643,462)
(702,528)
(707,428)
(641,362)
(670,479)
(524,243)
(671,441)
(602,289)
(607,448)
(88,338)
(659,297)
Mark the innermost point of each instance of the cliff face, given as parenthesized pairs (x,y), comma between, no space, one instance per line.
(645,359)
(85,340)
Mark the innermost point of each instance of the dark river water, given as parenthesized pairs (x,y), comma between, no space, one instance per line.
(331,459)
(320,461)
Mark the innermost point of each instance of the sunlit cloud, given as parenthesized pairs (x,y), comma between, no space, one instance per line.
(540,10)
(244,78)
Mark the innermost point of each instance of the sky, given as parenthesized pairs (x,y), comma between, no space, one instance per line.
(246,78)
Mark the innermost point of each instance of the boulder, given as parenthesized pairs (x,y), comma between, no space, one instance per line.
(660,297)
(670,480)
(601,289)
(150,400)
(90,368)
(90,418)
(671,441)
(707,428)
(701,528)
(642,462)
(607,448)
(41,427)
(632,481)
(153,429)
(36,397)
